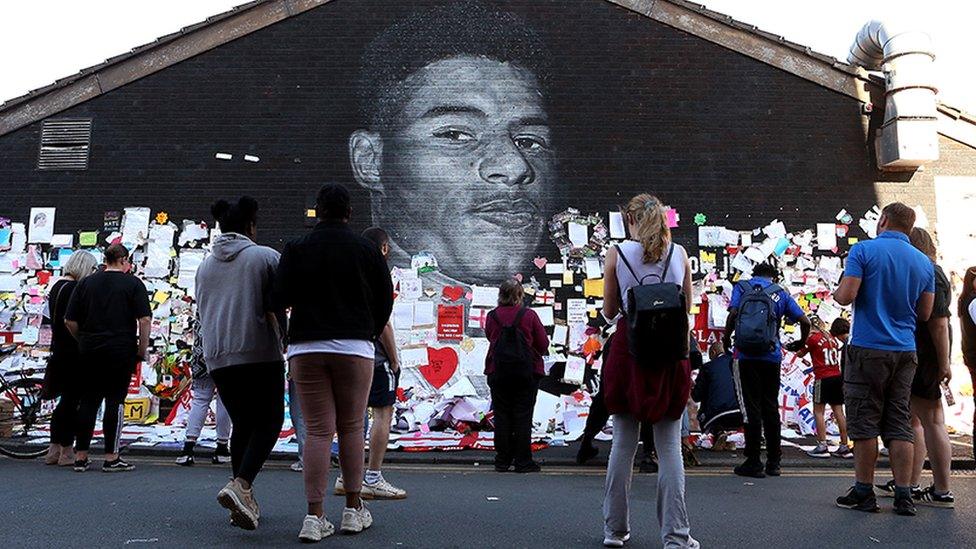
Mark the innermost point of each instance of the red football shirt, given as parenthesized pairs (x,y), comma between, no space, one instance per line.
(825,355)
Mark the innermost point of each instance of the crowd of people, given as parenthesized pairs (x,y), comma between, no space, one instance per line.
(316,318)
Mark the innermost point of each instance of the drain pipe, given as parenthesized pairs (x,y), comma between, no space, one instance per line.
(908,137)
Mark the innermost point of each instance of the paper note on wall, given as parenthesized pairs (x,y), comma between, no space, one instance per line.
(189,263)
(593,267)
(826,236)
(402,315)
(575,368)
(158,251)
(617,225)
(484,296)
(593,287)
(545,315)
(41,229)
(135,227)
(423,314)
(87,239)
(578,236)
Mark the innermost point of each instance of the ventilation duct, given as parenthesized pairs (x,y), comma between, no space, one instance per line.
(909,136)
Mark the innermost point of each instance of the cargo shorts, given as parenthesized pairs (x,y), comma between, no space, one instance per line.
(877,393)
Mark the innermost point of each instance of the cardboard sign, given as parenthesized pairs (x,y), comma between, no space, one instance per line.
(136,410)
(450,322)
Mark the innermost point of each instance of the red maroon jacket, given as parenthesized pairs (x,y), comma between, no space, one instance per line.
(532,329)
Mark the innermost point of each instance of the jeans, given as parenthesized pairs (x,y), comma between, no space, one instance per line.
(760,391)
(513,405)
(254,395)
(333,390)
(203,391)
(671,513)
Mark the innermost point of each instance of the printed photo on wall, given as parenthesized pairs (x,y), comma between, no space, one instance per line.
(41,228)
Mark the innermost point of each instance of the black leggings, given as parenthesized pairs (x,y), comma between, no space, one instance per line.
(64,419)
(109,376)
(254,395)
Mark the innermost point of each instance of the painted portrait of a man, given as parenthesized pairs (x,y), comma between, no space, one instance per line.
(455,145)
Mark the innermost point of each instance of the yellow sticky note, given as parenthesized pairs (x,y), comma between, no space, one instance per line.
(87,239)
(707,257)
(789,328)
(567,277)
(852,241)
(160,296)
(593,287)
(592,312)
(695,309)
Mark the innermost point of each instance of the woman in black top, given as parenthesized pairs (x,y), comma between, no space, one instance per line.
(61,374)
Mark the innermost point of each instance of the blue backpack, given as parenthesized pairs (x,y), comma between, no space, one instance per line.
(757,324)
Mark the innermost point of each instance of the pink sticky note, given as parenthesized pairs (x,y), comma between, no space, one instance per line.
(673,218)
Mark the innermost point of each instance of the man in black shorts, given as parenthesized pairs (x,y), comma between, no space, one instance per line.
(382,396)
(933,339)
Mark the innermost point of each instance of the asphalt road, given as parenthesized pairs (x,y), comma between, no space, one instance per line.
(162,505)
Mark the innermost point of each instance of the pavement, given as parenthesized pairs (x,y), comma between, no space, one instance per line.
(163,505)
(566,455)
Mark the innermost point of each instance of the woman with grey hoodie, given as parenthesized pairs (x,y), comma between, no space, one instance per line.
(242,348)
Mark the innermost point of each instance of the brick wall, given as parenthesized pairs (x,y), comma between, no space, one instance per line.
(637,106)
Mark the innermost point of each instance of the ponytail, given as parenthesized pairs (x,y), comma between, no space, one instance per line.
(651,225)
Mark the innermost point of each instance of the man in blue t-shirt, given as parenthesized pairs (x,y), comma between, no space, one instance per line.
(891,285)
(759,375)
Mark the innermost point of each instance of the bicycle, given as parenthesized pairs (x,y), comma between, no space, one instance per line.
(21,410)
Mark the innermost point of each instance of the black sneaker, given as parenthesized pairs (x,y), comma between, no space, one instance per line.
(928,497)
(647,466)
(773,469)
(82,465)
(221,455)
(502,467)
(586,453)
(886,490)
(750,468)
(867,503)
(531,467)
(117,466)
(905,507)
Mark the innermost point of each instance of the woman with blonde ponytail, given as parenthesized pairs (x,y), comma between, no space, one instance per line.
(641,393)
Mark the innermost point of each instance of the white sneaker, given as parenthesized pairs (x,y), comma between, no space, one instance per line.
(382,489)
(355,521)
(315,528)
(298,467)
(340,487)
(616,540)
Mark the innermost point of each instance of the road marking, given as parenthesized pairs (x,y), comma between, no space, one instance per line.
(555,471)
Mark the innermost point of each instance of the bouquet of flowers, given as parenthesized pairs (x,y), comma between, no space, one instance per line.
(172,375)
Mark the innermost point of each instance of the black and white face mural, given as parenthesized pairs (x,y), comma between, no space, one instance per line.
(457,134)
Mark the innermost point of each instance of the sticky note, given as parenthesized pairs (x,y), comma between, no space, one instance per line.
(852,241)
(88,238)
(567,278)
(160,296)
(593,287)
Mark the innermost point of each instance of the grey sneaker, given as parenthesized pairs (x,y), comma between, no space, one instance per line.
(298,466)
(821,451)
(616,540)
(244,512)
(315,528)
(355,521)
(382,490)
(843,451)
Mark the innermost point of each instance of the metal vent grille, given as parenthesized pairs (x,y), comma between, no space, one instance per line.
(65,144)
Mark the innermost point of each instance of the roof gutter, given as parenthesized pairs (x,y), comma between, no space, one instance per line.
(909,135)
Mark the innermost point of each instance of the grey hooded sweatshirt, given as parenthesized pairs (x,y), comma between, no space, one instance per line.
(233,292)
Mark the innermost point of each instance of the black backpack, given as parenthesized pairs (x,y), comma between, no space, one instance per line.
(756,323)
(657,321)
(512,355)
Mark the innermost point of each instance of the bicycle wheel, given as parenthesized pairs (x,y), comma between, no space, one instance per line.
(29,412)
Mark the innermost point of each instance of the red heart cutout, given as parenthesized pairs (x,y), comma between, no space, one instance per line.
(540,262)
(441,365)
(453,293)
